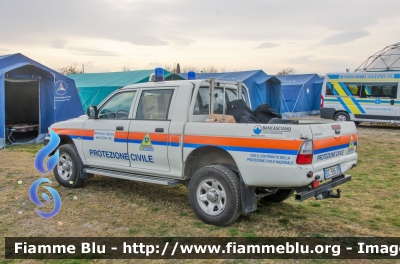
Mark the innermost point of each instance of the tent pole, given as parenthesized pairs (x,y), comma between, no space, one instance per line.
(284,100)
(82,100)
(91,103)
(297,99)
(3,113)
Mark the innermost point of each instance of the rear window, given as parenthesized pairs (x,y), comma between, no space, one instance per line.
(202,105)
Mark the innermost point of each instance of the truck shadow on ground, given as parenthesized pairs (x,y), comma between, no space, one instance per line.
(175,198)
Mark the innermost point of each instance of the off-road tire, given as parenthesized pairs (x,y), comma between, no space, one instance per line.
(279,196)
(223,192)
(68,168)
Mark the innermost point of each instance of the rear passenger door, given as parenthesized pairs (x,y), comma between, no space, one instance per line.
(148,137)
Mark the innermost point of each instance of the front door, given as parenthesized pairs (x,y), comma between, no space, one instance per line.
(105,138)
(148,138)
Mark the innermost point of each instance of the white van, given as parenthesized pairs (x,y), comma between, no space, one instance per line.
(361,96)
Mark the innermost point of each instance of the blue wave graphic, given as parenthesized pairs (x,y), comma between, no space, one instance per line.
(45,151)
(35,199)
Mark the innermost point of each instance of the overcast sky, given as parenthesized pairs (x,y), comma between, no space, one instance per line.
(311,36)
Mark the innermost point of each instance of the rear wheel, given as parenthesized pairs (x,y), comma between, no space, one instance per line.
(279,196)
(214,195)
(341,116)
(67,170)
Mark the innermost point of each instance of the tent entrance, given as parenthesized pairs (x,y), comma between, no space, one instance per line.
(22,116)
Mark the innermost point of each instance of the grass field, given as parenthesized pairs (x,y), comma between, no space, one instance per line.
(111,207)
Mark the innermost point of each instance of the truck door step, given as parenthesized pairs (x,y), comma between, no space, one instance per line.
(132,176)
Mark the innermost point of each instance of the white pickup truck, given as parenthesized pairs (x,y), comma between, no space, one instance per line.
(156,132)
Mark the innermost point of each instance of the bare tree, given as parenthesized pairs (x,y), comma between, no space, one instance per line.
(286,71)
(190,68)
(125,68)
(72,69)
(209,69)
(170,68)
(173,68)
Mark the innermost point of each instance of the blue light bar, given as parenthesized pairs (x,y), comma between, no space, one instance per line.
(159,75)
(191,75)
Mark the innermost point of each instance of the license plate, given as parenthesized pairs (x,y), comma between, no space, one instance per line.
(332,172)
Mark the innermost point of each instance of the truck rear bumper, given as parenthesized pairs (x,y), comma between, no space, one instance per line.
(325,189)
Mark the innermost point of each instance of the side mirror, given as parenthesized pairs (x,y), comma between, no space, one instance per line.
(92,112)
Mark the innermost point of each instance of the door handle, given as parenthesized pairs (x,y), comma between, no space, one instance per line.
(392,102)
(159,129)
(120,128)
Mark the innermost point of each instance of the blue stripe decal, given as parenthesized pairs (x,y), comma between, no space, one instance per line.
(329,86)
(397,76)
(159,143)
(358,105)
(120,140)
(333,76)
(245,149)
(367,89)
(373,101)
(319,151)
(344,105)
(134,141)
(346,90)
(83,138)
(156,143)
(330,99)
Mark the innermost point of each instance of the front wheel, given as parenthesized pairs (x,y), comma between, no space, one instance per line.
(67,170)
(214,195)
(341,116)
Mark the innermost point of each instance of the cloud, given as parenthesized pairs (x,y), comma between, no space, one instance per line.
(344,37)
(182,41)
(58,44)
(92,51)
(146,41)
(266,45)
(352,23)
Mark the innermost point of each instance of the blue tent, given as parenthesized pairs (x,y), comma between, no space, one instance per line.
(262,87)
(32,94)
(301,94)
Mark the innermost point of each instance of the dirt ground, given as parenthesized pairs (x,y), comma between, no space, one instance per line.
(112,207)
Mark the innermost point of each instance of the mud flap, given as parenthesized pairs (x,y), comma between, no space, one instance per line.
(248,193)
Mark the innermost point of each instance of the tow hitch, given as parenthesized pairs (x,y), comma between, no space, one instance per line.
(328,194)
(323,191)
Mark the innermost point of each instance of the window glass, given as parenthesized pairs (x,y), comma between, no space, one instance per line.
(382,90)
(354,88)
(343,89)
(154,104)
(329,88)
(118,106)
(202,104)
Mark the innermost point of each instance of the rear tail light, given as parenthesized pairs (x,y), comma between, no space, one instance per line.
(322,101)
(305,153)
(315,184)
